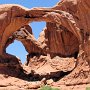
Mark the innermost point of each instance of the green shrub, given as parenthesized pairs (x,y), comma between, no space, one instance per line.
(88,88)
(48,88)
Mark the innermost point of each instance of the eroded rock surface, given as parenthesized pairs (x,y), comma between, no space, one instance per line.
(61,53)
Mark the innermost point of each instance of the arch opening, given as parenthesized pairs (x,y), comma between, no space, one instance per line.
(17,49)
(37,27)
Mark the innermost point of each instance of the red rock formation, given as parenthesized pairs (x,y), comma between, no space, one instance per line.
(80,12)
(61,52)
(62,37)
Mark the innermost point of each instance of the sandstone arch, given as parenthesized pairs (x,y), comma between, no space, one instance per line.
(63,19)
(23,16)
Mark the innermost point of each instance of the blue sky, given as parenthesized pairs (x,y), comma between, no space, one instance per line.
(17,48)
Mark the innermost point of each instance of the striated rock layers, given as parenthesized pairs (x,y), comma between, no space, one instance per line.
(61,52)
